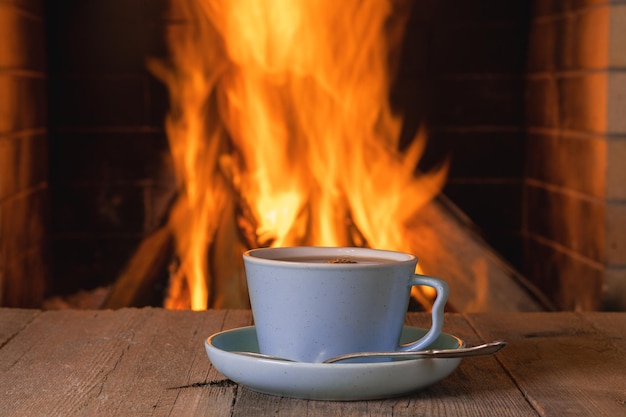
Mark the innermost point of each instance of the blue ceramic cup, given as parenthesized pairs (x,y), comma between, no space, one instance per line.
(312,303)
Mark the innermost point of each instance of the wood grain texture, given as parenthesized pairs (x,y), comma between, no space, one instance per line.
(562,363)
(151,362)
(12,321)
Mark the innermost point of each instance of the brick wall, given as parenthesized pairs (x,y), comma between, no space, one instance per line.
(110,180)
(463,75)
(575,187)
(23,154)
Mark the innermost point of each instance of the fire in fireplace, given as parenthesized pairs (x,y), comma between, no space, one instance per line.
(522,97)
(280,127)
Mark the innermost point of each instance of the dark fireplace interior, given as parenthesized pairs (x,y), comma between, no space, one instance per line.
(525,98)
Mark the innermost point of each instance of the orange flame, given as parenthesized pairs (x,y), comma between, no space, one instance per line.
(282,107)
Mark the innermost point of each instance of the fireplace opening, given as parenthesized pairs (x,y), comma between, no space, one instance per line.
(522,98)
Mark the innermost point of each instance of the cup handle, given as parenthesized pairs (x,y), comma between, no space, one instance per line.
(443,291)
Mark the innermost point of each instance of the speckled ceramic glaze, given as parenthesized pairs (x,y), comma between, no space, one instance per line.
(310,311)
(328,381)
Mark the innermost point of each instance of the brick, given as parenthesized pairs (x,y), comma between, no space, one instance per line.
(33,6)
(571,41)
(616,102)
(24,211)
(23,162)
(570,281)
(484,10)
(543,105)
(479,48)
(590,39)
(614,298)
(98,101)
(158,103)
(559,7)
(97,157)
(493,206)
(574,162)
(541,8)
(101,209)
(567,219)
(616,169)
(617,34)
(102,37)
(477,155)
(8,166)
(615,234)
(566,45)
(22,103)
(493,101)
(543,46)
(29,276)
(87,262)
(22,41)
(23,224)
(33,160)
(583,102)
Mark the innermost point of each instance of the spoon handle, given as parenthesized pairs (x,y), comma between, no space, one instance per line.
(479,350)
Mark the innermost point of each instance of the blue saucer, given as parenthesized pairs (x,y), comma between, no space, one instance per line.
(336,381)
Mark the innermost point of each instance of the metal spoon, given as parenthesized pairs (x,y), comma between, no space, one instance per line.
(479,350)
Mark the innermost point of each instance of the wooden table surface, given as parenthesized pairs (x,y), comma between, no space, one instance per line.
(152,362)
